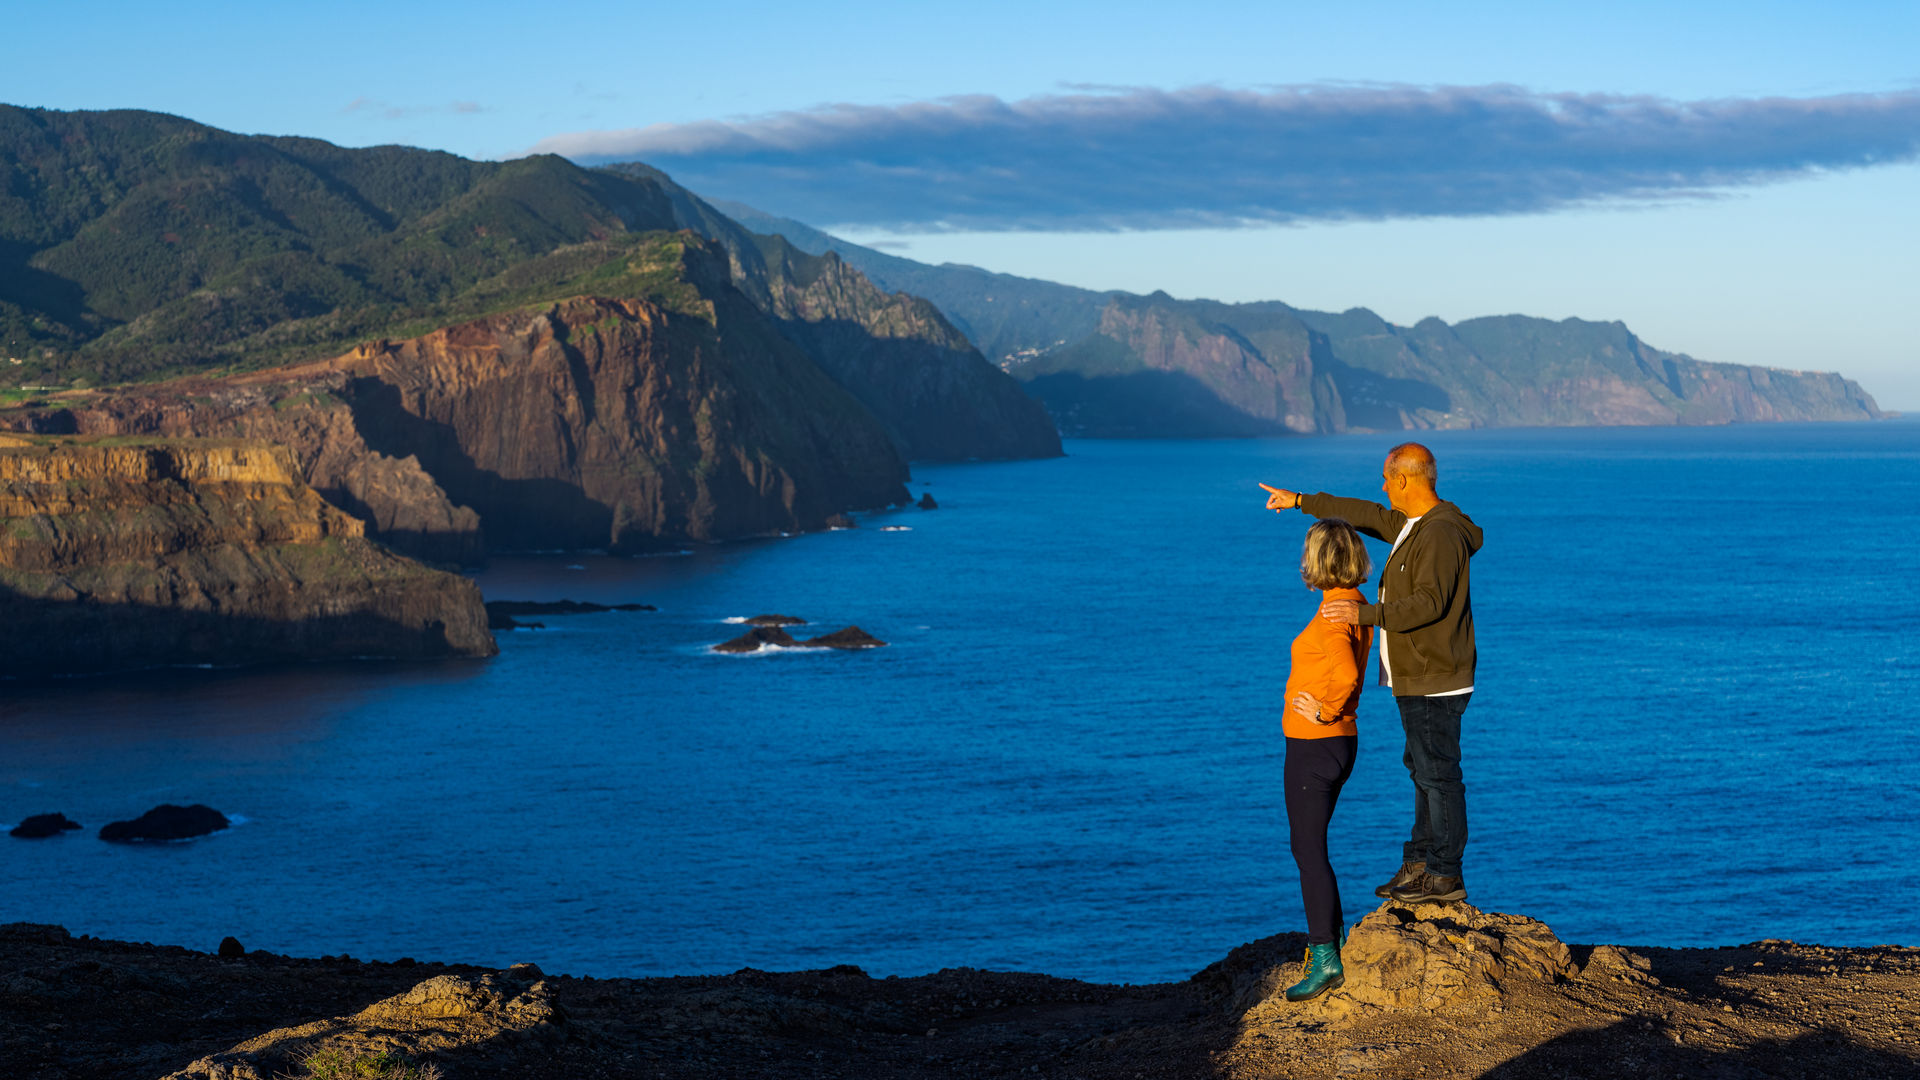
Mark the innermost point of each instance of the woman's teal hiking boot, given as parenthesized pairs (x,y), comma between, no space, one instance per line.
(1324,973)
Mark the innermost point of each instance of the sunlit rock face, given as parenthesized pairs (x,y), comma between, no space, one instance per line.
(128,553)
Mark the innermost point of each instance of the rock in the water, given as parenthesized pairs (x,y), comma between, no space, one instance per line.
(445,1013)
(926,501)
(559,607)
(40,826)
(230,947)
(850,638)
(167,822)
(776,620)
(841,521)
(500,613)
(758,638)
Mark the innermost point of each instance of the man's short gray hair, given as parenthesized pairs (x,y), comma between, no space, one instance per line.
(1413,459)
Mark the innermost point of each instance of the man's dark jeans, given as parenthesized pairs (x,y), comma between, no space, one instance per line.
(1439,794)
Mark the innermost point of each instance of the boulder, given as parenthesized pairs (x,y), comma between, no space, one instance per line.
(1615,964)
(776,620)
(850,638)
(230,948)
(167,822)
(1425,959)
(444,1014)
(926,501)
(40,826)
(758,638)
(841,521)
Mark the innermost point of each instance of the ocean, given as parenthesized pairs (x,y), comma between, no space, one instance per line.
(1692,727)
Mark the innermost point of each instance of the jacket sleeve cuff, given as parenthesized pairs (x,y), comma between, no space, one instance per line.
(1369,615)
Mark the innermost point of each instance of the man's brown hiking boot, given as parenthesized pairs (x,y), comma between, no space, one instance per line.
(1431,889)
(1408,872)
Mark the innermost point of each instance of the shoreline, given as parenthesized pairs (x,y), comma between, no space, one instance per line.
(87,1007)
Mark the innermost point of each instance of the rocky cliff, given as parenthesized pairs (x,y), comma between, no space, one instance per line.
(592,422)
(135,245)
(1157,366)
(130,553)
(937,396)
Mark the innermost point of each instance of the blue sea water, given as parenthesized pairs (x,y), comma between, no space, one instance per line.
(1694,726)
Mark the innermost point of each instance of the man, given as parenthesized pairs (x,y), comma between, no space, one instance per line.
(1426,652)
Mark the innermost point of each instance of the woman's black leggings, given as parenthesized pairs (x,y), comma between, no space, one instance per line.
(1315,771)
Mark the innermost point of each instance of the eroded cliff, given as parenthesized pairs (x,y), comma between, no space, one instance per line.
(119,554)
(591,422)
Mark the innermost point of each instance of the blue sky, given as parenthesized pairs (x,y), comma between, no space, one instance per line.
(1696,211)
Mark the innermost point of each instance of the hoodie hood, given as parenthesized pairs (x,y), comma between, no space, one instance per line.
(1446,511)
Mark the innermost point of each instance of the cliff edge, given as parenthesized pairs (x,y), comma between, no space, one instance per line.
(126,553)
(1436,992)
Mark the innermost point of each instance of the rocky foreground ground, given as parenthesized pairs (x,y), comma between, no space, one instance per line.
(1445,991)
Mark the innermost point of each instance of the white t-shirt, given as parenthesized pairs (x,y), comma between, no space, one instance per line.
(1386,673)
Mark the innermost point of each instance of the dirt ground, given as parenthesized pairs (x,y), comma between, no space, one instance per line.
(84,1009)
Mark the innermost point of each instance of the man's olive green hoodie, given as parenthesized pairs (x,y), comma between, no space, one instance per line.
(1424,604)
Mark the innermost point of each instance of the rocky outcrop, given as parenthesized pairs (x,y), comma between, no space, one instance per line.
(443,1015)
(588,423)
(124,553)
(167,822)
(89,1007)
(1427,959)
(775,636)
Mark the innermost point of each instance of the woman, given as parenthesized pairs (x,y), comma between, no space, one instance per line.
(1323,692)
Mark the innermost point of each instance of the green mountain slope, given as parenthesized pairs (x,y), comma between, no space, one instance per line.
(136,245)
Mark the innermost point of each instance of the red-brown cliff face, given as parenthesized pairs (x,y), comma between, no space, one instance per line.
(587,423)
(119,554)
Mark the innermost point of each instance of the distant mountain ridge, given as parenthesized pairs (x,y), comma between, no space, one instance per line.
(1121,365)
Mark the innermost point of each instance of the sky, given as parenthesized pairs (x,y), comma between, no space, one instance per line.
(1733,181)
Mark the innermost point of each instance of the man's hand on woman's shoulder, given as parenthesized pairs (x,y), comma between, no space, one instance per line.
(1343,612)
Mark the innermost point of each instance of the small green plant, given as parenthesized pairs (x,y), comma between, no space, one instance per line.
(346,1065)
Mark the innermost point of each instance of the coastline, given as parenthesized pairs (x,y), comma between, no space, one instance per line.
(85,1007)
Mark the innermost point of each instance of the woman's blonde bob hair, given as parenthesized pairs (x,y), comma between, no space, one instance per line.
(1334,557)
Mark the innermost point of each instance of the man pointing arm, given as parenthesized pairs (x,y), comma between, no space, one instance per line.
(1427,655)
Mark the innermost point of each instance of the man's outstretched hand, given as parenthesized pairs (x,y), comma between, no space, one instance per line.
(1344,612)
(1281,498)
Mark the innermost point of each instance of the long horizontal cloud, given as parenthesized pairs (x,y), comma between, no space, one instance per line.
(1143,159)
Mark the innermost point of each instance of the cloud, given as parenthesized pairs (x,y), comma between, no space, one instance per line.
(400,112)
(1207,156)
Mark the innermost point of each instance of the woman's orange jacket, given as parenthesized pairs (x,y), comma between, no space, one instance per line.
(1328,660)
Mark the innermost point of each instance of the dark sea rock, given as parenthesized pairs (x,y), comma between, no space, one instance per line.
(776,620)
(230,947)
(850,638)
(756,639)
(926,501)
(841,521)
(500,613)
(40,826)
(167,822)
(559,607)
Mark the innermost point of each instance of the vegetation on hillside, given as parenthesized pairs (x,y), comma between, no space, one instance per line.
(135,244)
